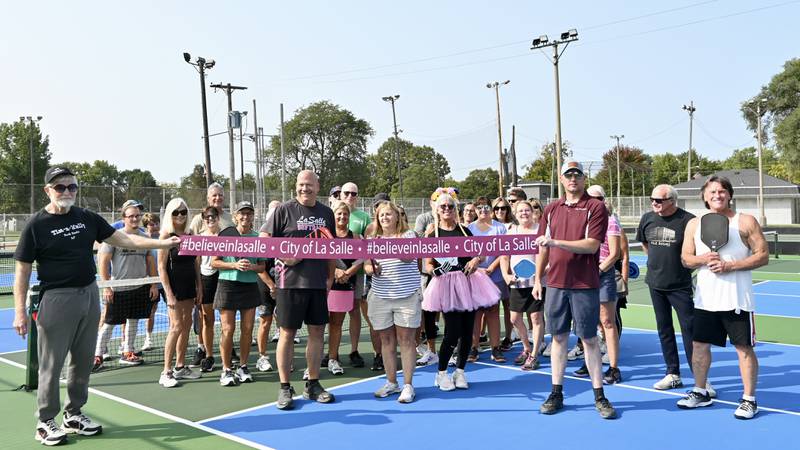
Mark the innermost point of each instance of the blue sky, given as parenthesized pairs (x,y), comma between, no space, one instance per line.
(111,83)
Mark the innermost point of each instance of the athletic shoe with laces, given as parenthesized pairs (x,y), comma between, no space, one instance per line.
(407,395)
(335,367)
(460,379)
(324,363)
(207,365)
(296,339)
(167,379)
(306,374)
(582,372)
(49,433)
(497,355)
(710,389)
(276,336)
(285,400)
(263,364)
(107,356)
(377,363)
(199,356)
(243,374)
(228,378)
(98,364)
(315,391)
(612,376)
(443,381)
(80,424)
(483,339)
(746,409)
(605,409)
(473,355)
(129,359)
(506,344)
(453,360)
(421,349)
(185,373)
(547,349)
(521,358)
(694,399)
(428,358)
(234,357)
(554,402)
(532,363)
(148,344)
(670,381)
(575,353)
(356,360)
(388,389)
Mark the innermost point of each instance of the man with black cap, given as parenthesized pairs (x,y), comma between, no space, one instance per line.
(59,238)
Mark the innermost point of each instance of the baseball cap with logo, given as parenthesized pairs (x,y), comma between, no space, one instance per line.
(335,190)
(571,165)
(55,172)
(131,203)
(244,205)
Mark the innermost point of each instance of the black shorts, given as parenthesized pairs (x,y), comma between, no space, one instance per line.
(712,327)
(267,306)
(133,304)
(209,287)
(521,300)
(298,306)
(236,295)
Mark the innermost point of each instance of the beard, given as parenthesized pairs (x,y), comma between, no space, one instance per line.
(65,202)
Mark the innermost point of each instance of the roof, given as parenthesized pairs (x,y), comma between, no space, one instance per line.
(745,184)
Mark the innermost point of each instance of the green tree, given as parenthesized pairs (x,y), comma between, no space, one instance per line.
(423,168)
(634,171)
(479,182)
(543,167)
(671,169)
(15,169)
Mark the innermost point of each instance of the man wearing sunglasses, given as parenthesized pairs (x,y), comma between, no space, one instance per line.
(59,238)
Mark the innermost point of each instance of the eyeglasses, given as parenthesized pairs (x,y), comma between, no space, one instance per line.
(180,212)
(501,208)
(210,218)
(483,208)
(350,194)
(513,200)
(536,207)
(446,206)
(60,188)
(573,175)
(659,201)
(335,194)
(133,216)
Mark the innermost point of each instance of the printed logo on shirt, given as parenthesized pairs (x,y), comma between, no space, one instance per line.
(660,236)
(310,223)
(69,231)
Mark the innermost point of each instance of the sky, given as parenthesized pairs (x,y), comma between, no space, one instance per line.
(111,83)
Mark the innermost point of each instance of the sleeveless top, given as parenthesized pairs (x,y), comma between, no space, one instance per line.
(725,291)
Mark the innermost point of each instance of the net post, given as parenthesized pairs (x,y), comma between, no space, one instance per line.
(32,358)
(775,240)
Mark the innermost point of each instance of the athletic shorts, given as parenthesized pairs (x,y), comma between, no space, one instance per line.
(236,295)
(403,312)
(608,286)
(521,300)
(563,306)
(298,306)
(267,306)
(131,304)
(713,327)
(209,283)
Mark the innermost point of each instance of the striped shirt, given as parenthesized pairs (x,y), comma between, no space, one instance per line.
(398,279)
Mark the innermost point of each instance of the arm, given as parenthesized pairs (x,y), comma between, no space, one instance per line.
(152,272)
(505,267)
(754,239)
(626,255)
(163,255)
(331,273)
(582,246)
(132,241)
(541,262)
(644,247)
(613,253)
(688,252)
(103,265)
(22,276)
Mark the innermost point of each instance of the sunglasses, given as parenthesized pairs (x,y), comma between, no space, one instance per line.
(513,200)
(350,194)
(573,175)
(210,217)
(501,208)
(180,212)
(536,207)
(60,188)
(133,216)
(659,201)
(335,194)
(446,206)
(483,208)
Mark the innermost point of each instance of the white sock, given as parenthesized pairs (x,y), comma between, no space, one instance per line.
(700,391)
(103,336)
(131,327)
(749,398)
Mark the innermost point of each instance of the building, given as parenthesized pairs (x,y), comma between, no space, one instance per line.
(538,190)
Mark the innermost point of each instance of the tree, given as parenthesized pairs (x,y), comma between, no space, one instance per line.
(479,182)
(15,169)
(423,168)
(325,138)
(634,171)
(671,169)
(197,179)
(543,167)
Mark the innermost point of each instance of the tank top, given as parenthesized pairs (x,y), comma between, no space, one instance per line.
(725,291)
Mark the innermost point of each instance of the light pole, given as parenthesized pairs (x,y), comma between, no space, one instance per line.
(690,109)
(619,177)
(201,64)
(496,86)
(31,121)
(541,42)
(241,117)
(759,113)
(228,89)
(391,99)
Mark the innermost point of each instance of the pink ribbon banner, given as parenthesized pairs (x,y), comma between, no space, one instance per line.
(307,248)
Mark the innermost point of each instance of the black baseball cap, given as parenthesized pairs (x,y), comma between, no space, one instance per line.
(55,172)
(244,205)
(380,197)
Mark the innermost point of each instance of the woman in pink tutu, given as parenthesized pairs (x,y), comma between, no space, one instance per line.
(456,289)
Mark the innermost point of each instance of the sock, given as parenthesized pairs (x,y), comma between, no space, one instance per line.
(201,347)
(558,389)
(700,391)
(285,385)
(313,381)
(177,368)
(598,394)
(749,398)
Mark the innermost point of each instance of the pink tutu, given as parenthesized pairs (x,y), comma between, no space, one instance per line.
(340,301)
(458,292)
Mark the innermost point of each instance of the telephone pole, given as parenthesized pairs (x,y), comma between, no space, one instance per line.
(496,86)
(32,123)
(201,64)
(391,99)
(690,109)
(228,88)
(759,113)
(619,178)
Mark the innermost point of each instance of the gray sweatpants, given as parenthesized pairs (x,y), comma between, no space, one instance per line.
(67,323)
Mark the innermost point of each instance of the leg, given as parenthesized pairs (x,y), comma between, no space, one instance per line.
(265,324)
(248,317)
(82,354)
(452,331)
(608,319)
(476,330)
(467,320)
(558,357)
(389,347)
(537,320)
(184,309)
(748,367)
(666,331)
(682,302)
(408,352)
(171,342)
(284,352)
(335,333)
(227,318)
(519,324)
(208,329)
(701,361)
(594,360)
(492,318)
(314,350)
(429,318)
(507,318)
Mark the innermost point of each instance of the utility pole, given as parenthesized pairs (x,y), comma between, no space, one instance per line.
(619,177)
(496,86)
(392,99)
(256,136)
(201,65)
(31,121)
(541,42)
(283,162)
(228,88)
(242,116)
(513,156)
(690,109)
(759,113)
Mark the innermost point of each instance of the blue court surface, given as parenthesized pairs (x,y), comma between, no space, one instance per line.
(500,409)
(777,298)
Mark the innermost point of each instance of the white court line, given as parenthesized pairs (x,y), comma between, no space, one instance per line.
(776,295)
(761,282)
(14,351)
(161,414)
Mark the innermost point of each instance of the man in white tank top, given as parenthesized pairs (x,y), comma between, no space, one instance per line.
(724,304)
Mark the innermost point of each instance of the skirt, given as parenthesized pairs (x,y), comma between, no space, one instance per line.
(455,291)
(340,301)
(236,295)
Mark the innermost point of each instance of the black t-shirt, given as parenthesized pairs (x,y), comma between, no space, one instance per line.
(458,231)
(62,244)
(292,219)
(664,239)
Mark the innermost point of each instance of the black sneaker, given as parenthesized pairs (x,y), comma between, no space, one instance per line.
(234,357)
(207,365)
(694,399)
(315,391)
(377,363)
(583,372)
(612,375)
(199,356)
(285,400)
(80,424)
(324,363)
(506,344)
(497,355)
(605,409)
(473,355)
(356,360)
(554,402)
(483,340)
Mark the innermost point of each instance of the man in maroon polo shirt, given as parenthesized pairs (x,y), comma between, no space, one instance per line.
(571,231)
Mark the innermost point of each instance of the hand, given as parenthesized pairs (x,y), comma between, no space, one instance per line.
(21,323)
(719,266)
(273,292)
(709,257)
(153,292)
(171,300)
(509,278)
(537,290)
(290,261)
(376,269)
(472,266)
(442,269)
(108,295)
(242,265)
(544,241)
(172,241)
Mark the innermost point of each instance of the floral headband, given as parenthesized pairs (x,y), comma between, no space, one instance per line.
(452,192)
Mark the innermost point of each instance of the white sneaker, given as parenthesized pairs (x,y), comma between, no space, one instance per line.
(453,360)
(387,390)
(296,340)
(148,344)
(243,374)
(228,378)
(575,353)
(49,433)
(547,349)
(80,424)
(711,391)
(407,395)
(306,375)
(443,381)
(334,367)
(263,364)
(167,380)
(185,373)
(460,379)
(746,409)
(421,349)
(670,381)
(428,358)
(276,336)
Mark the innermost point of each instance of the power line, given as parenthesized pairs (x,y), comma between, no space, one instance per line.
(712,137)
(475,129)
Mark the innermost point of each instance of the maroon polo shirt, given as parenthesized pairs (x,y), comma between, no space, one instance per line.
(587,218)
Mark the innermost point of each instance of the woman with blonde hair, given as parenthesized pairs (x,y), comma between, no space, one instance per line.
(501,212)
(180,276)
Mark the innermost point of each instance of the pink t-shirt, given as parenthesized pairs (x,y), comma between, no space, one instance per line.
(612,230)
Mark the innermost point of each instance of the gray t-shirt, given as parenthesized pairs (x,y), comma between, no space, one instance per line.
(422,222)
(292,219)
(198,225)
(127,264)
